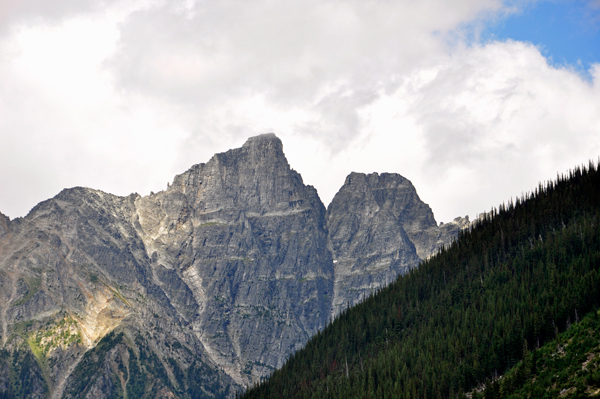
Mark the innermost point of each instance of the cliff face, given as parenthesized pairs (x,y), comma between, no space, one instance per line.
(368,221)
(248,238)
(204,287)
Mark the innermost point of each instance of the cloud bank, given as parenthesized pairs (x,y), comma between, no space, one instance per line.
(122,96)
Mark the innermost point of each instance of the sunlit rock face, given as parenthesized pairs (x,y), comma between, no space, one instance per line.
(78,259)
(206,286)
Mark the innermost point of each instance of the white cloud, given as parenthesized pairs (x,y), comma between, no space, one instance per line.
(326,57)
(495,120)
(123,96)
(63,123)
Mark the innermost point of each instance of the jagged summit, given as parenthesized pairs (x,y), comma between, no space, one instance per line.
(262,151)
(256,177)
(388,191)
(248,237)
(370,223)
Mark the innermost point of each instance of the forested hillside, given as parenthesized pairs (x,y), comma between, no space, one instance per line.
(521,275)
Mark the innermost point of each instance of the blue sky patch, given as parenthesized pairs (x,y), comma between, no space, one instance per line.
(566,32)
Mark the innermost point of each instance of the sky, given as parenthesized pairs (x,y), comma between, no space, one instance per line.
(474,101)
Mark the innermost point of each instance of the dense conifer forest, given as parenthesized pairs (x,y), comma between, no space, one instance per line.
(521,275)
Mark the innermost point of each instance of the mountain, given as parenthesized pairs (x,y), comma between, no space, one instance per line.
(201,289)
(513,281)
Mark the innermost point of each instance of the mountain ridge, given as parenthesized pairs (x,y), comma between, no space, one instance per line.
(229,270)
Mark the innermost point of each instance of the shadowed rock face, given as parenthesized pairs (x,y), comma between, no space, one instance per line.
(203,287)
(378,228)
(368,241)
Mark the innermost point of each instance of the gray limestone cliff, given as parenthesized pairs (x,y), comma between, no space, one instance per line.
(205,287)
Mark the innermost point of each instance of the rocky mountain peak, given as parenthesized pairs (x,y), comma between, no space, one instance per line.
(379,228)
(249,239)
(256,176)
(393,192)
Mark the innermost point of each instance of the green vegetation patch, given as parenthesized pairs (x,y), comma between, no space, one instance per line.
(568,367)
(118,294)
(20,375)
(44,341)
(62,334)
(88,370)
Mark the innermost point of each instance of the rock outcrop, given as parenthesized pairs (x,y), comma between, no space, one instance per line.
(204,287)
(432,238)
